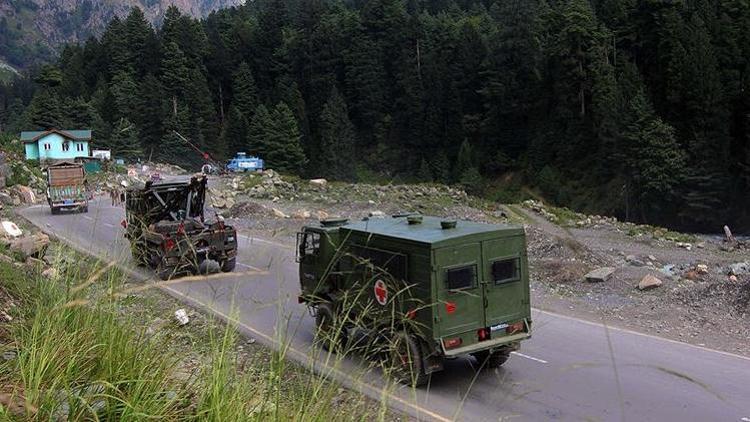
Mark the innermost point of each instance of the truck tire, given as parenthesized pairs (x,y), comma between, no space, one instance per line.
(227,266)
(54,210)
(326,334)
(494,359)
(85,209)
(405,360)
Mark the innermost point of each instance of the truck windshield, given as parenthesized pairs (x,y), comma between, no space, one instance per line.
(308,244)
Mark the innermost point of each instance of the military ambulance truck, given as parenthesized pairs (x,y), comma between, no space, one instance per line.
(432,289)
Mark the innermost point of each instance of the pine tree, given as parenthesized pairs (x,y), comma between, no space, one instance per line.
(337,159)
(284,150)
(424,174)
(150,113)
(175,73)
(123,89)
(236,133)
(124,140)
(656,164)
(44,112)
(259,132)
(79,114)
(244,92)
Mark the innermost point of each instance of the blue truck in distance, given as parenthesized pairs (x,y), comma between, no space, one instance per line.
(242,163)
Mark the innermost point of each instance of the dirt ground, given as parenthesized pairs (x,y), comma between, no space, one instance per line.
(705,309)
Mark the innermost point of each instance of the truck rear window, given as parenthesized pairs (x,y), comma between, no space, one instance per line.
(505,271)
(460,278)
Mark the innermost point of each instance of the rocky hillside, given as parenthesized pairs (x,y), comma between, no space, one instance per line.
(32,30)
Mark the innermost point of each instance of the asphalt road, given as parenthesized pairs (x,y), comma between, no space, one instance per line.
(570,370)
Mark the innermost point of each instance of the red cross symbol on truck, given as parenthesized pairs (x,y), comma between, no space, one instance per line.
(381,292)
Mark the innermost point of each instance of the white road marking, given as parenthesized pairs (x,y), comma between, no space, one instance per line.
(529,357)
(624,330)
(87,217)
(249,266)
(108,225)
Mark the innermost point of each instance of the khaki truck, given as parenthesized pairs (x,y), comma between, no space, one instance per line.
(67,188)
(430,288)
(166,226)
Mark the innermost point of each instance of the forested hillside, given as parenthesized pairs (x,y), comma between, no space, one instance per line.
(31,31)
(636,108)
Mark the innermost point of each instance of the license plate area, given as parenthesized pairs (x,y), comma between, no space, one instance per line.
(498,327)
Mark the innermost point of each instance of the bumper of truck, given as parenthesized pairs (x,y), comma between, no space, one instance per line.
(486,345)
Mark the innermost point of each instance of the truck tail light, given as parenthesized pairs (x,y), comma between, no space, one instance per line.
(169,244)
(450,307)
(483,334)
(411,314)
(181,228)
(124,224)
(451,343)
(515,327)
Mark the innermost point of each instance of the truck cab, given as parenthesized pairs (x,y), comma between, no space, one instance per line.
(439,288)
(244,163)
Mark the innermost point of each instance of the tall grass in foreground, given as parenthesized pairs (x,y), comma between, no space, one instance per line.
(79,358)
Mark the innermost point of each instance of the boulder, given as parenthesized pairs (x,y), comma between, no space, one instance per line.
(321,183)
(26,194)
(33,246)
(6,199)
(733,278)
(649,282)
(10,230)
(322,215)
(684,245)
(301,214)
(377,214)
(51,273)
(599,275)
(181,316)
(739,268)
(219,202)
(634,261)
(701,269)
(278,213)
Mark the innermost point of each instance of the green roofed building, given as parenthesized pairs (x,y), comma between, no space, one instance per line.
(55,144)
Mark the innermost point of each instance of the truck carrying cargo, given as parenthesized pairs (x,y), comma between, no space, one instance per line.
(429,288)
(167,229)
(67,188)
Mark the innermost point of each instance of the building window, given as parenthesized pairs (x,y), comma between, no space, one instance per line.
(79,147)
(47,147)
(65,146)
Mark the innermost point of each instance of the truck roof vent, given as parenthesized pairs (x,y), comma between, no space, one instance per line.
(448,224)
(333,222)
(414,219)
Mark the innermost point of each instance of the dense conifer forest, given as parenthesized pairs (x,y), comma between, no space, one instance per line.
(633,108)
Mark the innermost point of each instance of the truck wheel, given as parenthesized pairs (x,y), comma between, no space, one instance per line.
(406,360)
(327,335)
(228,265)
(85,209)
(494,359)
(55,211)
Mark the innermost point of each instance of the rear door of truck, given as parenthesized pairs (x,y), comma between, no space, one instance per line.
(459,306)
(503,281)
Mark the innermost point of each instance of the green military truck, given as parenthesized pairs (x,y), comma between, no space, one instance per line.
(165,224)
(430,288)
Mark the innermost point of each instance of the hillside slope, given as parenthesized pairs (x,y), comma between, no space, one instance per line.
(32,30)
